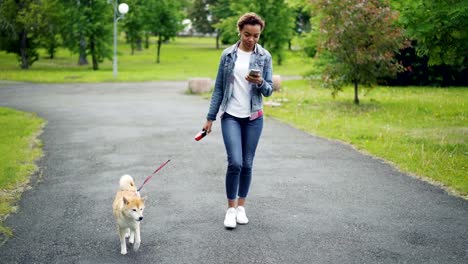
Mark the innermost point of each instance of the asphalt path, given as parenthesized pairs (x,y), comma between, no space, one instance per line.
(312,200)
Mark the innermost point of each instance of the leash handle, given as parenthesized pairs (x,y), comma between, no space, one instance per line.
(150,176)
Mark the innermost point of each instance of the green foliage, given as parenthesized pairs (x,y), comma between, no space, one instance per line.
(228,28)
(200,14)
(360,38)
(7,22)
(134,24)
(163,19)
(98,28)
(221,11)
(19,22)
(439,27)
(308,42)
(88,29)
(279,24)
(303,13)
(51,25)
(279,27)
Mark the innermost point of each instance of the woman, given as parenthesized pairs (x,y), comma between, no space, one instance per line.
(238,95)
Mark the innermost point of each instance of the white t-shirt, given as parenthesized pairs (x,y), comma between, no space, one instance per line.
(239,103)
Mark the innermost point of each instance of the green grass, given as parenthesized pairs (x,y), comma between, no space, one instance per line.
(422,131)
(19,149)
(181,59)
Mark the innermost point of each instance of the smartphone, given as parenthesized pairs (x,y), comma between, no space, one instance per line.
(254,72)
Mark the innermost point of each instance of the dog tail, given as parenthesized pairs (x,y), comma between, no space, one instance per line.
(126,183)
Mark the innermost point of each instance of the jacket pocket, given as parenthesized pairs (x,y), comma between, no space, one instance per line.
(260,64)
(256,99)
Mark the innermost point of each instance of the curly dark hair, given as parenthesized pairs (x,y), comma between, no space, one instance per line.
(250,19)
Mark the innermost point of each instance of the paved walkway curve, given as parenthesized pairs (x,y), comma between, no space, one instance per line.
(312,200)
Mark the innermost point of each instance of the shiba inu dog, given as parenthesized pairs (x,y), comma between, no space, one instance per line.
(128,212)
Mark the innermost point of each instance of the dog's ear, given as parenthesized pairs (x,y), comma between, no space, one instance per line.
(125,200)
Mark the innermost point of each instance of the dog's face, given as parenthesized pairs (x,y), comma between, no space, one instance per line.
(134,207)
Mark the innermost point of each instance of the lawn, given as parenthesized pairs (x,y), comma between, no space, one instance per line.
(421,130)
(181,59)
(19,150)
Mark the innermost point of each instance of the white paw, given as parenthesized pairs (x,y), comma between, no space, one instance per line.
(131,240)
(136,246)
(127,233)
(123,252)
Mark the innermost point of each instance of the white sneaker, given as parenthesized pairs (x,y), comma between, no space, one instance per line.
(241,216)
(230,219)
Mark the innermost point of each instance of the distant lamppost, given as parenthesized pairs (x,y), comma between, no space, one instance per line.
(118,14)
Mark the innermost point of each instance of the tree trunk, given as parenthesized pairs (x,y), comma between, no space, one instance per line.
(138,43)
(356,97)
(159,48)
(23,50)
(94,55)
(146,40)
(447,78)
(217,38)
(280,58)
(82,60)
(52,48)
(51,52)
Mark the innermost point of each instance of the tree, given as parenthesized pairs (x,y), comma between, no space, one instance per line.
(220,10)
(302,12)
(18,24)
(440,28)
(89,29)
(51,25)
(359,37)
(205,14)
(200,15)
(279,21)
(438,31)
(164,20)
(98,30)
(134,24)
(73,34)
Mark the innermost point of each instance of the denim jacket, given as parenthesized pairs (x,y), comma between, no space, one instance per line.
(260,59)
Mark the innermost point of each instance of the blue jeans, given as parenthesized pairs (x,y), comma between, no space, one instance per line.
(241,137)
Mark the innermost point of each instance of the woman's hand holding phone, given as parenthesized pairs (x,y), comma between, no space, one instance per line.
(207,126)
(205,130)
(254,76)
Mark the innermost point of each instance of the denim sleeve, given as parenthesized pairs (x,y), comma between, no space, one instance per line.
(218,92)
(267,86)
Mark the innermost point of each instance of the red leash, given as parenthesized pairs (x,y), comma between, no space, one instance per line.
(156,171)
